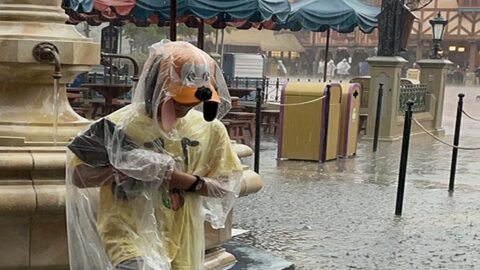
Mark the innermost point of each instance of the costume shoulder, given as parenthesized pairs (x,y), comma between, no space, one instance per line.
(136,124)
(124,126)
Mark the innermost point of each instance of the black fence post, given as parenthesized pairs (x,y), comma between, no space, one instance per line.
(258,126)
(456,141)
(277,88)
(377,117)
(326,115)
(266,83)
(404,157)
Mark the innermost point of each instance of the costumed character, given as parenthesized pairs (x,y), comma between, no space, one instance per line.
(281,69)
(142,180)
(343,69)
(331,67)
(321,67)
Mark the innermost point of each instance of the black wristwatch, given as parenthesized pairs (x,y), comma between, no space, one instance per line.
(197,185)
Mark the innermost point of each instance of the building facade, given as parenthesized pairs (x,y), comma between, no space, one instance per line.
(460,45)
(462,34)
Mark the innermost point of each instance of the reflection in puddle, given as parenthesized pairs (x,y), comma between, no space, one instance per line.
(340,215)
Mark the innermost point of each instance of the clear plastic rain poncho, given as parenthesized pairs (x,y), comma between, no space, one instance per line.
(343,68)
(122,212)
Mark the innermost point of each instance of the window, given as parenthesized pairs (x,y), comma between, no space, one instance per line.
(469,3)
(276,54)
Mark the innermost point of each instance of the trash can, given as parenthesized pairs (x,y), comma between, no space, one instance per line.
(364,82)
(302,129)
(349,119)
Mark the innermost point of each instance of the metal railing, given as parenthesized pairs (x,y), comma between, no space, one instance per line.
(417,93)
(272,86)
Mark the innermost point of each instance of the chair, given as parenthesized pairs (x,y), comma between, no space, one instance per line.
(78,99)
(270,120)
(236,129)
(246,117)
(363,124)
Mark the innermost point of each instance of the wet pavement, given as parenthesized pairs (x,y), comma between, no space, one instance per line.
(340,215)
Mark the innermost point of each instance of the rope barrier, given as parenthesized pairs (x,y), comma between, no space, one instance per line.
(440,140)
(471,117)
(298,104)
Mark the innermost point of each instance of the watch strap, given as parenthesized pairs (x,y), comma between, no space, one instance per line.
(193,187)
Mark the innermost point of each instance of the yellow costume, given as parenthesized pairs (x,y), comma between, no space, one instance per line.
(152,221)
(183,228)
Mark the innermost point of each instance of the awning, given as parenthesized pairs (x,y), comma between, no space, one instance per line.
(283,42)
(114,8)
(265,39)
(340,15)
(219,13)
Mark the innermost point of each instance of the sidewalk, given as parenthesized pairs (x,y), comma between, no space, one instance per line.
(340,215)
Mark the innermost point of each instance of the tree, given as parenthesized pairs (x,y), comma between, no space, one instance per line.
(142,37)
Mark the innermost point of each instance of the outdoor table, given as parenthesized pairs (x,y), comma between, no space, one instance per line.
(234,101)
(72,97)
(109,92)
(77,89)
(240,92)
(252,107)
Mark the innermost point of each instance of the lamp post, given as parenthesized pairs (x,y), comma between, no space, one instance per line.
(438,28)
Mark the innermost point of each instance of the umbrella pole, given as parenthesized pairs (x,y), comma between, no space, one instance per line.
(314,39)
(222,47)
(173,20)
(326,56)
(216,41)
(112,51)
(201,33)
(120,40)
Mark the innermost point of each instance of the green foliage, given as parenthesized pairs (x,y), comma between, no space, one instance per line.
(142,37)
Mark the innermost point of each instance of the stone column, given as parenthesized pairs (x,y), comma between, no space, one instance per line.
(433,73)
(385,70)
(32,169)
(472,57)
(26,86)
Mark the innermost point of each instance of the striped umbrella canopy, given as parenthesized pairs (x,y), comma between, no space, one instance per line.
(218,13)
(340,15)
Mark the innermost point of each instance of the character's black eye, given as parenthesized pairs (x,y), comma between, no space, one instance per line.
(206,76)
(191,77)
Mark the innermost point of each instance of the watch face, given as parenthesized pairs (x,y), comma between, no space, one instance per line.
(199,185)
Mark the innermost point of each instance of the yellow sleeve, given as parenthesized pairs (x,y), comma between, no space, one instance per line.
(74,161)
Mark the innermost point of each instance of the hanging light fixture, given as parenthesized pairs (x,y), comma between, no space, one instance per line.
(438,29)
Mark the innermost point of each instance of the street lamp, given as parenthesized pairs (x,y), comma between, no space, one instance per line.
(438,28)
